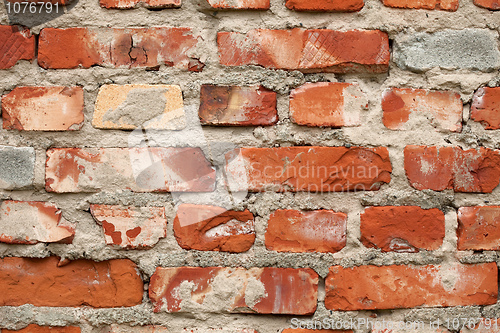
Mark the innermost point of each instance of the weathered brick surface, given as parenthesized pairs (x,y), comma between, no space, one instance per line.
(291,230)
(485,107)
(16,43)
(479,228)
(237,106)
(407,108)
(313,169)
(274,290)
(17,167)
(137,169)
(44,329)
(441,168)
(471,49)
(327,104)
(402,229)
(394,287)
(139,105)
(211,228)
(41,282)
(304,330)
(131,227)
(240,4)
(449,5)
(43,108)
(489,4)
(317,50)
(127,4)
(30,222)
(131,47)
(325,5)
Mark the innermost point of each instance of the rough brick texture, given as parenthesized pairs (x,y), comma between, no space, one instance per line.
(274,290)
(237,106)
(479,228)
(131,227)
(315,50)
(290,230)
(132,47)
(327,104)
(240,4)
(43,109)
(211,228)
(394,287)
(127,4)
(42,282)
(17,167)
(442,168)
(313,169)
(16,43)
(407,108)
(485,107)
(402,229)
(489,4)
(325,5)
(137,169)
(139,105)
(30,222)
(450,5)
(44,329)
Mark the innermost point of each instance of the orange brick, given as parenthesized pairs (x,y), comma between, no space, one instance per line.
(16,43)
(42,282)
(330,104)
(404,108)
(325,5)
(43,109)
(485,107)
(479,228)
(240,4)
(211,228)
(402,229)
(449,5)
(313,169)
(127,4)
(441,168)
(44,329)
(315,231)
(395,287)
(316,50)
(488,4)
(282,290)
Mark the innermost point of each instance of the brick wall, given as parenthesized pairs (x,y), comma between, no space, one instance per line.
(250,166)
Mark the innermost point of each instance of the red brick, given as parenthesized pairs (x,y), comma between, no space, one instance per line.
(441,168)
(395,287)
(313,169)
(485,107)
(303,330)
(274,290)
(327,104)
(402,229)
(131,227)
(131,47)
(485,325)
(138,169)
(488,4)
(291,230)
(479,228)
(406,108)
(211,228)
(240,4)
(31,222)
(325,5)
(316,50)
(41,282)
(449,5)
(16,43)
(237,106)
(43,109)
(44,329)
(127,4)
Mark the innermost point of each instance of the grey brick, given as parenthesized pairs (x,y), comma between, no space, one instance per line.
(473,49)
(17,167)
